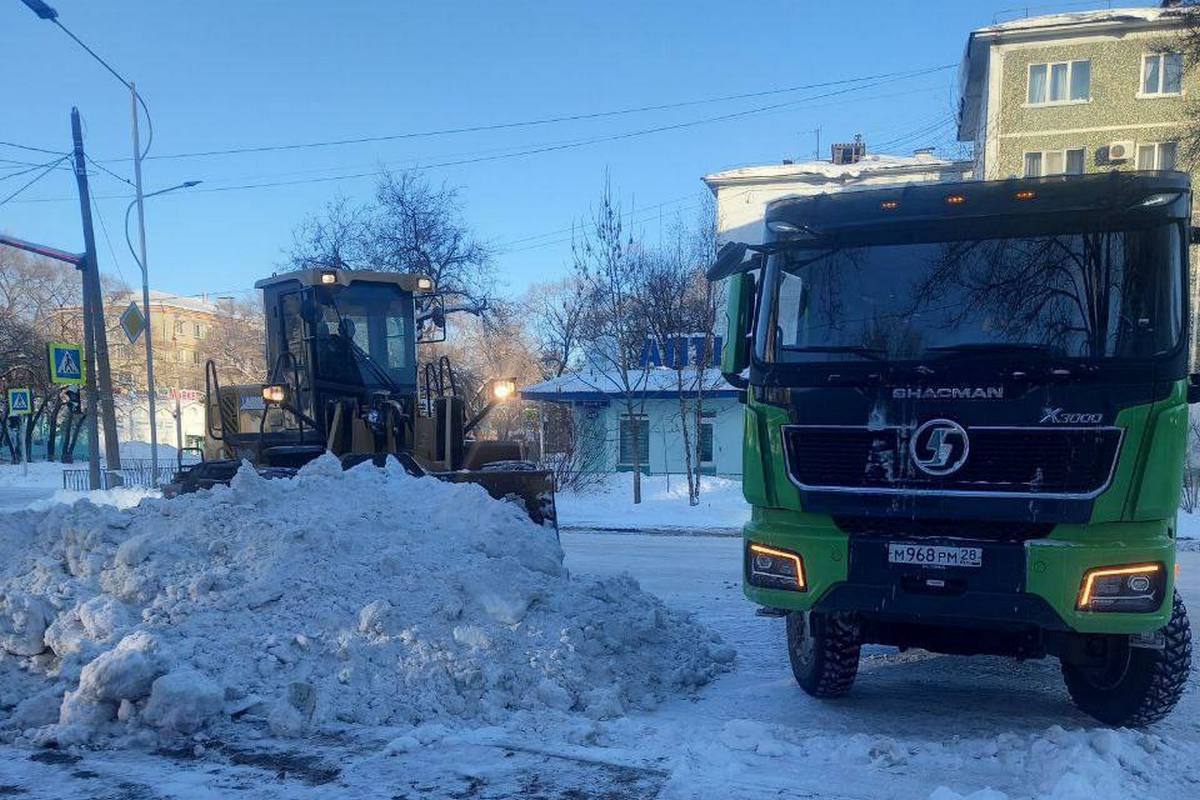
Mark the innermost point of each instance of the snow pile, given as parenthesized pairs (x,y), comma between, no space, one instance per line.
(360,597)
(664,505)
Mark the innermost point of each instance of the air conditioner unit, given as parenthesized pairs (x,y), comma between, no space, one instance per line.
(1120,151)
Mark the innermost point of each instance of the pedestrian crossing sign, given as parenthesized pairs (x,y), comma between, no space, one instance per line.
(66,363)
(20,403)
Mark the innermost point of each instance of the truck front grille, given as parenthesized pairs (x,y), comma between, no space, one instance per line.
(1063,462)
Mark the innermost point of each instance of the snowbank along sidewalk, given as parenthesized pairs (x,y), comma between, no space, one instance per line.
(366,597)
(664,505)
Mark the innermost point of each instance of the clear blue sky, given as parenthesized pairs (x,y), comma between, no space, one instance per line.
(224,75)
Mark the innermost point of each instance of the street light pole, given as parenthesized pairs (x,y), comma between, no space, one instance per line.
(139,200)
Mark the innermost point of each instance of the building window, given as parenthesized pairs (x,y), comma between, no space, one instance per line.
(179,327)
(706,436)
(1162,74)
(1054,162)
(1157,155)
(198,330)
(628,440)
(195,356)
(1064,82)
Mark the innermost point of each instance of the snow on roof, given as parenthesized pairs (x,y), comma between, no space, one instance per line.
(593,384)
(169,300)
(1107,15)
(824,170)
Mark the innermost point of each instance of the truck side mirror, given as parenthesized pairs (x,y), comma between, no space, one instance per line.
(1193,388)
(1193,234)
(740,314)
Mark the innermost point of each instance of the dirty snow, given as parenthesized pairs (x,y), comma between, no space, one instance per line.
(916,726)
(365,597)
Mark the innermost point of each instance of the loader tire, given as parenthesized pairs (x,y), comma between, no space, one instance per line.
(823,650)
(1136,686)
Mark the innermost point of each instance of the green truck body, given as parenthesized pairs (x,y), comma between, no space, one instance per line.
(987,458)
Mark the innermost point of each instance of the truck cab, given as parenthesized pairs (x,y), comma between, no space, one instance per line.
(966,424)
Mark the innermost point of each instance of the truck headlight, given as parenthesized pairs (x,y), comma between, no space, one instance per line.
(1129,587)
(772,568)
(274,393)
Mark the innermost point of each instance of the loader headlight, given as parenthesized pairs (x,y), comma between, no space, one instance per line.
(274,393)
(502,390)
(424,284)
(1130,588)
(772,568)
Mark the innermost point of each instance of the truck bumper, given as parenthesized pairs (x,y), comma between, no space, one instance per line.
(1031,584)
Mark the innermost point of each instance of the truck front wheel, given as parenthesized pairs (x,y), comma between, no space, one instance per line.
(1135,686)
(823,649)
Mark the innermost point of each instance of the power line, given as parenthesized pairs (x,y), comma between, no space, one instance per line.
(48,167)
(558,147)
(547,120)
(107,171)
(33,149)
(535,150)
(112,252)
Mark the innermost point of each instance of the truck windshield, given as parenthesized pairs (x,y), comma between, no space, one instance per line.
(365,336)
(1108,294)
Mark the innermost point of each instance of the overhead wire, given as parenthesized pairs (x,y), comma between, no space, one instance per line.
(898,74)
(33,149)
(48,167)
(535,150)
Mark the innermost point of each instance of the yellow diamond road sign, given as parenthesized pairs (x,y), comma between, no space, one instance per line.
(132,322)
(20,402)
(66,363)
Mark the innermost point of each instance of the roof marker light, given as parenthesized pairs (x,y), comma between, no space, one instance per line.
(889,205)
(1025,194)
(955,199)
(1159,199)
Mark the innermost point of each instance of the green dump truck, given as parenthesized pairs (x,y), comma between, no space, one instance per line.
(966,426)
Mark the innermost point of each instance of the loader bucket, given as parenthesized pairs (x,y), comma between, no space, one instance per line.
(533,489)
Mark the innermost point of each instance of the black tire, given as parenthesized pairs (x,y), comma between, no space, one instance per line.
(823,649)
(1137,686)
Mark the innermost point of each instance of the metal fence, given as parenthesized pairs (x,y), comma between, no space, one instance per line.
(134,472)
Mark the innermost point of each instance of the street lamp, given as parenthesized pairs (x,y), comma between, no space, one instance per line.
(151,392)
(47,12)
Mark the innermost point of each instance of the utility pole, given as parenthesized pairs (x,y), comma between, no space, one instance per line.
(99,378)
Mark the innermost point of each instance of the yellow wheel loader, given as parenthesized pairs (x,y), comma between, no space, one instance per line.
(343,378)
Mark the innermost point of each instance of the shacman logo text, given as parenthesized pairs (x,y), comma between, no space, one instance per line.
(948,393)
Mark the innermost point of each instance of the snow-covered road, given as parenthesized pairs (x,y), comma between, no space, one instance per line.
(914,723)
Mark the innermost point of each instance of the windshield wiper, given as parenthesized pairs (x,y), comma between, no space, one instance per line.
(872,353)
(1015,348)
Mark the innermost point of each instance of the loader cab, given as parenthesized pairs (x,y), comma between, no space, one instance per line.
(336,333)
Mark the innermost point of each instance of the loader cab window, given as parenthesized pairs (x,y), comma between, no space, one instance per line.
(364,336)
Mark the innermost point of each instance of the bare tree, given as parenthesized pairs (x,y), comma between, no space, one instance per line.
(1188,42)
(555,311)
(612,331)
(235,340)
(409,226)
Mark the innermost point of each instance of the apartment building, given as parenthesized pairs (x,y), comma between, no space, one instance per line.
(1078,92)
